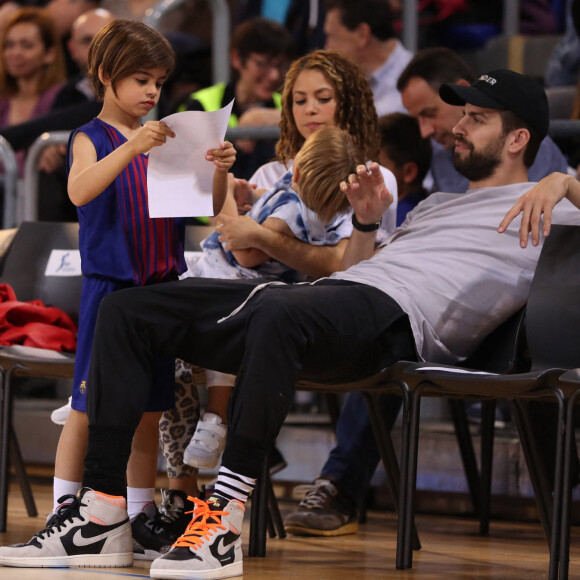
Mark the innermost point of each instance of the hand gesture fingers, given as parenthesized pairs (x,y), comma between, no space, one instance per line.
(223,157)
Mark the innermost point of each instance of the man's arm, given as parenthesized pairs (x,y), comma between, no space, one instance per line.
(243,233)
(369,198)
(536,206)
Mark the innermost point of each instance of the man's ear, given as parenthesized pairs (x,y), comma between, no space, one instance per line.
(236,59)
(410,171)
(363,33)
(462,82)
(518,139)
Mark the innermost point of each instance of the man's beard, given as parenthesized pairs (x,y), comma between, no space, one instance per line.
(478,165)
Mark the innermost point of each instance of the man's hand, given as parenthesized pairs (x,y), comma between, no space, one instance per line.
(51,159)
(536,206)
(367,193)
(223,158)
(238,233)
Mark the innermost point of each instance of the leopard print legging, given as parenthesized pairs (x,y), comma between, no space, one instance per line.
(177,426)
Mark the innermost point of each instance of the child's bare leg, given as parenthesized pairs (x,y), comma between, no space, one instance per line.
(217,401)
(142,466)
(70,455)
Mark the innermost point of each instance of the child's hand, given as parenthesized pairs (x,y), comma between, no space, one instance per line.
(152,134)
(224,157)
(243,192)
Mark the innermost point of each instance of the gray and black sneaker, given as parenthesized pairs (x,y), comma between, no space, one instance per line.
(156,529)
(324,511)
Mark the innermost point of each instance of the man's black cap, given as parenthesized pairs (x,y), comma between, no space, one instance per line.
(504,90)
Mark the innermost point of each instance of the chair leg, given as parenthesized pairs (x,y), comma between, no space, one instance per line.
(389,458)
(487,440)
(259,516)
(274,511)
(5,447)
(564,552)
(538,477)
(411,476)
(465,443)
(21,475)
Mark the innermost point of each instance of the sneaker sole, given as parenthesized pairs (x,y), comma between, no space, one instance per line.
(194,461)
(298,530)
(81,561)
(235,569)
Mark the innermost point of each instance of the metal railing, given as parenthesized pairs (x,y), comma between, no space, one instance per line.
(30,189)
(10,164)
(29,205)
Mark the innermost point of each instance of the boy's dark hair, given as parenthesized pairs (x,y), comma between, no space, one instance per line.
(262,36)
(378,14)
(436,66)
(401,139)
(125,47)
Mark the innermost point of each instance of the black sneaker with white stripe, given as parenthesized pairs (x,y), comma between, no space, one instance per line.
(93,530)
(155,531)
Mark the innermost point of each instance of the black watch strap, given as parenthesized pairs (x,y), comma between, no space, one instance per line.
(364,227)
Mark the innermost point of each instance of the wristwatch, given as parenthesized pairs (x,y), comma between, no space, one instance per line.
(365,227)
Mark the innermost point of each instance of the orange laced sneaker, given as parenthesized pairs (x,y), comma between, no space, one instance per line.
(210,547)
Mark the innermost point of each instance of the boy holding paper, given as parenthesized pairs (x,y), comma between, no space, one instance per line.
(120,245)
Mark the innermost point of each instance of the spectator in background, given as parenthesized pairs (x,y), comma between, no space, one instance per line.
(408,156)
(31,68)
(260,52)
(564,63)
(64,13)
(419,85)
(363,30)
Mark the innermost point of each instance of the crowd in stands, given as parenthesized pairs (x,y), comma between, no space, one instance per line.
(362,119)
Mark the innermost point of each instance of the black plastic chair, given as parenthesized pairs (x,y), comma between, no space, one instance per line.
(496,354)
(24,269)
(552,329)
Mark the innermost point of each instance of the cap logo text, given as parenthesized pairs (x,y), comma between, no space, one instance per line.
(488,79)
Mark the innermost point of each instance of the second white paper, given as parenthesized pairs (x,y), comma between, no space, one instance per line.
(179,178)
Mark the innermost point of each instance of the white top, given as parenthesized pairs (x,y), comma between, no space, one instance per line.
(267,175)
(383,81)
(452,273)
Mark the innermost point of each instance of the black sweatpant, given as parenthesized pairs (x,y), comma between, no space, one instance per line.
(333,331)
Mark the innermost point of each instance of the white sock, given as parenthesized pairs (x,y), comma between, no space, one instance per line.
(62,487)
(138,498)
(233,485)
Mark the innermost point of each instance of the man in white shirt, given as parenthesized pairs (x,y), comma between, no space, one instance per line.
(363,30)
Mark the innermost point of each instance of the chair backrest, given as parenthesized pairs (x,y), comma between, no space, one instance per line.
(553,310)
(25,264)
(503,351)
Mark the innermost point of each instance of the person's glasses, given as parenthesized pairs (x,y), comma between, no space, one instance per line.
(85,40)
(265,64)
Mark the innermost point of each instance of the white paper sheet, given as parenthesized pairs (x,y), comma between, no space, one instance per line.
(179,178)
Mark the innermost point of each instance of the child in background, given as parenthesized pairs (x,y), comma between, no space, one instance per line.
(408,155)
(120,245)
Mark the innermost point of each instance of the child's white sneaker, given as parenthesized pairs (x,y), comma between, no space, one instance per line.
(60,415)
(208,442)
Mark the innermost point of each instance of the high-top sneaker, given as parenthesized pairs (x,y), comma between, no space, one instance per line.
(156,529)
(211,546)
(93,530)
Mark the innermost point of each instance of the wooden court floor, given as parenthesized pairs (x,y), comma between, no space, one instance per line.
(452,549)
